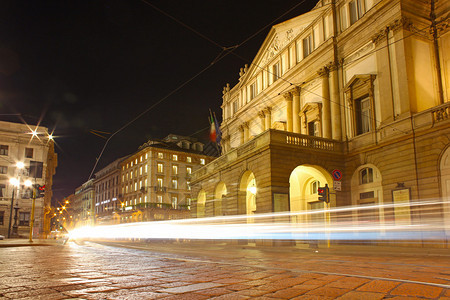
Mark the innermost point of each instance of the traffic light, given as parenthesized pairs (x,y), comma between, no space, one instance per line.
(324,193)
(40,191)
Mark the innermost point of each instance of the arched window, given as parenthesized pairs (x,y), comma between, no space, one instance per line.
(314,186)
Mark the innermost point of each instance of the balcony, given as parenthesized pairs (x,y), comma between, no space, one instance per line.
(264,140)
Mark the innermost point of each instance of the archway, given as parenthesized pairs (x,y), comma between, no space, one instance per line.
(219,195)
(303,184)
(248,190)
(201,201)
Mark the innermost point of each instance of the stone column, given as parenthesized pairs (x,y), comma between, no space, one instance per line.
(296,110)
(268,114)
(326,110)
(335,104)
(288,98)
(262,118)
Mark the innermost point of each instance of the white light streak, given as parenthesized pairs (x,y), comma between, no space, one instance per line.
(341,223)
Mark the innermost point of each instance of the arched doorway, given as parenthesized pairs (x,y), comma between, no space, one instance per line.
(219,195)
(201,201)
(367,193)
(303,184)
(248,190)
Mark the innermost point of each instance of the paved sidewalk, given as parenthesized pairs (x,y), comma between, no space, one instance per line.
(219,271)
(26,242)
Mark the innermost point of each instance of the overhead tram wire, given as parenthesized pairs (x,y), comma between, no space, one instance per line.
(227,50)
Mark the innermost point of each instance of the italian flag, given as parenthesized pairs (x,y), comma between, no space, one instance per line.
(212,132)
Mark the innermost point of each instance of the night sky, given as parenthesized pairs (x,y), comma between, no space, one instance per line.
(90,65)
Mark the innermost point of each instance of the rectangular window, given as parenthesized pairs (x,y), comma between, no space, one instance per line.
(24,219)
(174,183)
(188,159)
(4,149)
(159,200)
(202,161)
(175,157)
(160,168)
(363,115)
(307,46)
(140,171)
(188,185)
(2,217)
(235,107)
(3,170)
(276,71)
(189,170)
(2,190)
(252,91)
(174,170)
(28,152)
(160,182)
(160,155)
(357,10)
(146,168)
(188,203)
(174,202)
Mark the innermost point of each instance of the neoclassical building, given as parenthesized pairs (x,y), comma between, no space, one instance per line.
(27,158)
(353,94)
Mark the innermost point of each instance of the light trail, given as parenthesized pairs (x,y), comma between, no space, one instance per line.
(425,221)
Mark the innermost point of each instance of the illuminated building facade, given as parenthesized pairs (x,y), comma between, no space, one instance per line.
(25,159)
(84,197)
(353,94)
(155,181)
(107,185)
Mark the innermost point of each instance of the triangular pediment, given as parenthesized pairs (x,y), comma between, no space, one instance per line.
(279,37)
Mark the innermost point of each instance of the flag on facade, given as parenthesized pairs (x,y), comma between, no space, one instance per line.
(218,132)
(212,131)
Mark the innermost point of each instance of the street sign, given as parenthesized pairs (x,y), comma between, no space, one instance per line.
(337,185)
(337,175)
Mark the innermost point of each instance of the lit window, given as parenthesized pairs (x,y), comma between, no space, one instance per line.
(160,168)
(366,175)
(313,128)
(145,199)
(145,182)
(252,91)
(188,159)
(136,161)
(160,200)
(202,161)
(307,46)
(188,184)
(131,164)
(160,182)
(314,186)
(174,183)
(135,186)
(174,157)
(140,184)
(189,170)
(188,203)
(160,155)
(174,202)
(140,159)
(140,171)
(357,10)
(363,115)
(146,155)
(131,175)
(174,170)
(276,71)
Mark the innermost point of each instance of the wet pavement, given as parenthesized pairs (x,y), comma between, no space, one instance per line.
(51,270)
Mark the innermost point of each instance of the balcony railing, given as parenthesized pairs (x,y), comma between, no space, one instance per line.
(271,137)
(441,113)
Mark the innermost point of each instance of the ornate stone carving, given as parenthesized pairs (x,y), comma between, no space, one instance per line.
(323,71)
(295,91)
(226,89)
(287,96)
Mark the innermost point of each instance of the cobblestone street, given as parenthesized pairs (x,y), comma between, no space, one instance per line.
(218,271)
